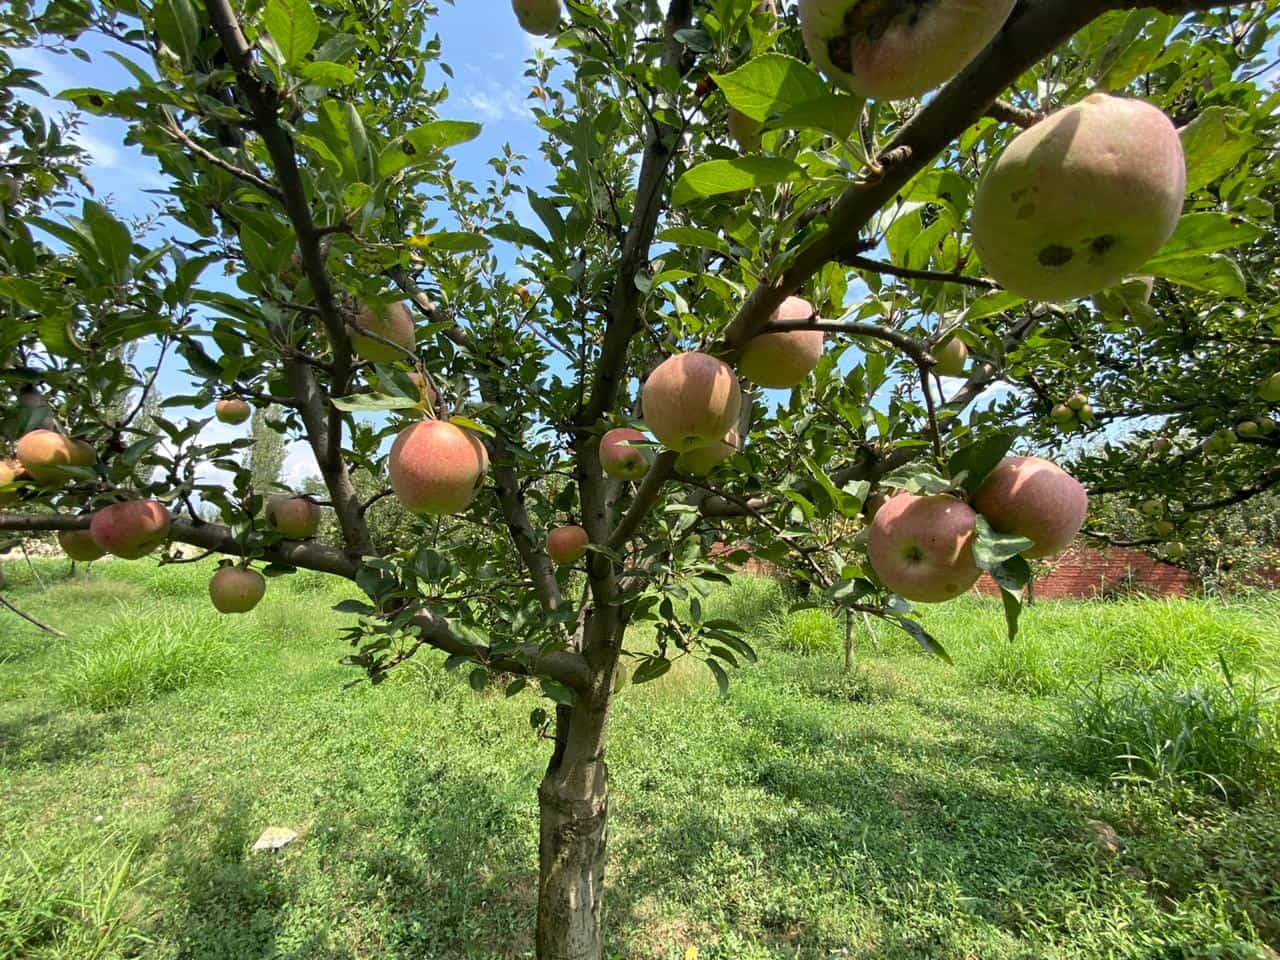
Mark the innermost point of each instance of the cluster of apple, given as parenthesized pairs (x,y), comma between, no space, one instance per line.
(1072,414)
(133,529)
(921,547)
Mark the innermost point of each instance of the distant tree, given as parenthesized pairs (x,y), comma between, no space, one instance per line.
(267,455)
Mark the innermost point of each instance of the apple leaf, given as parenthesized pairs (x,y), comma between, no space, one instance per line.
(924,638)
(1012,576)
(717,177)
(970,465)
(372,403)
(1214,273)
(1213,143)
(293,26)
(991,549)
(782,87)
(1201,233)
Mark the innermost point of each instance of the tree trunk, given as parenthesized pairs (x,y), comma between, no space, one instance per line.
(848,640)
(571,853)
(573,807)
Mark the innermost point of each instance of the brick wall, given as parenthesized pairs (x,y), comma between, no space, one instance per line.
(1085,572)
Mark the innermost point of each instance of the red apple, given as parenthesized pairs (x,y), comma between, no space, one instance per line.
(296,518)
(1033,498)
(922,547)
(131,529)
(393,322)
(783,360)
(619,458)
(691,400)
(232,410)
(436,468)
(567,545)
(236,590)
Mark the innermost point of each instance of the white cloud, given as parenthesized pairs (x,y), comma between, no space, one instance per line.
(101,153)
(497,101)
(299,464)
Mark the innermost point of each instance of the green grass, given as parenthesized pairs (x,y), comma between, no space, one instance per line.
(905,810)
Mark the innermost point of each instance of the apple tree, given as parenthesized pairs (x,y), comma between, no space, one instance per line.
(928,227)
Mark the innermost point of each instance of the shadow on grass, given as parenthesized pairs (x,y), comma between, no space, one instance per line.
(53,738)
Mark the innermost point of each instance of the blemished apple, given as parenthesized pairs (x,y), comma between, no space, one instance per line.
(79,546)
(1081,199)
(619,456)
(700,461)
(538,17)
(747,133)
(131,529)
(394,322)
(691,400)
(783,360)
(436,468)
(43,453)
(922,547)
(894,50)
(236,590)
(950,358)
(232,410)
(567,545)
(1269,389)
(1033,498)
(295,518)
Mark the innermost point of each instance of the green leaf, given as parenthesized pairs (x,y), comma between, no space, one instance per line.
(1215,273)
(354,606)
(651,669)
(479,679)
(473,425)
(451,241)
(975,461)
(718,177)
(372,403)
(178,27)
(924,638)
(722,678)
(991,548)
(421,144)
(111,239)
(293,26)
(1201,233)
(1213,143)
(788,93)
(991,304)
(1012,577)
(324,73)
(695,237)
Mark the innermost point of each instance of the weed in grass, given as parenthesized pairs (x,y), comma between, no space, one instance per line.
(806,631)
(1214,734)
(146,650)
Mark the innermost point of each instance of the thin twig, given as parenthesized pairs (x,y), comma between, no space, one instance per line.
(30,619)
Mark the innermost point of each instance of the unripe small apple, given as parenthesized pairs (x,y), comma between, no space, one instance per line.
(1220,441)
(1081,199)
(1078,401)
(1175,551)
(951,358)
(1269,389)
(783,360)
(79,546)
(1085,414)
(691,400)
(232,410)
(921,548)
(236,590)
(538,17)
(296,518)
(1161,445)
(1151,508)
(1266,426)
(394,323)
(1247,428)
(1164,528)
(567,545)
(436,468)
(131,529)
(1062,414)
(620,457)
(1033,498)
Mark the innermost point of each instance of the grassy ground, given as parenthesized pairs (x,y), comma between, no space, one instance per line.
(908,809)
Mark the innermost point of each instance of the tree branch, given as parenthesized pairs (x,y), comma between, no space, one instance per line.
(30,619)
(906,273)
